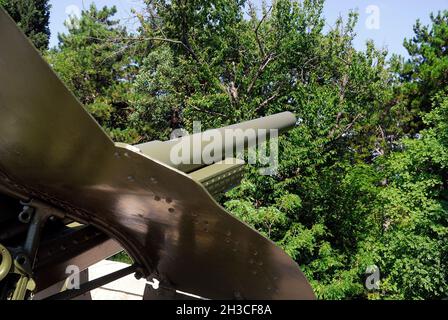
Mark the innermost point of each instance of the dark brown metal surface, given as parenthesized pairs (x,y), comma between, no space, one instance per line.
(54,151)
(82,246)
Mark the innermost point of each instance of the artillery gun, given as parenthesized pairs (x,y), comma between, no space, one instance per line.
(71,196)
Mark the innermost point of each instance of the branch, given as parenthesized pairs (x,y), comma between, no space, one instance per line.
(349,126)
(265,102)
(258,27)
(210,112)
(260,70)
(140,39)
(333,130)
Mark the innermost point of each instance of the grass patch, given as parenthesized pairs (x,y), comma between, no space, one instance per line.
(122,257)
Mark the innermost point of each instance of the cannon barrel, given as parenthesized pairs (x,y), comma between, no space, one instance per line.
(226,141)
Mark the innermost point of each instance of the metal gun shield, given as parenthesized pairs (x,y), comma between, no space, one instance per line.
(52,150)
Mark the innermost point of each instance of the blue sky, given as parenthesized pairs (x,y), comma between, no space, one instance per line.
(387,22)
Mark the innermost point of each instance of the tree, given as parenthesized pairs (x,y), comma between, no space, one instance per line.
(413,245)
(231,69)
(33,17)
(361,181)
(198,44)
(424,74)
(99,72)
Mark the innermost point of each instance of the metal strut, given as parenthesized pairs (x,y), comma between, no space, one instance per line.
(89,286)
(36,215)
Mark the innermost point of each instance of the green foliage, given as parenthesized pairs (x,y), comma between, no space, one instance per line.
(361,181)
(414,250)
(99,73)
(122,257)
(159,86)
(33,17)
(424,74)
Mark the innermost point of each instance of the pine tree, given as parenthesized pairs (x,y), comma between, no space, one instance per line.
(33,17)
(91,61)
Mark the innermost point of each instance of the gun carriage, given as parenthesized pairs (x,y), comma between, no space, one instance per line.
(71,196)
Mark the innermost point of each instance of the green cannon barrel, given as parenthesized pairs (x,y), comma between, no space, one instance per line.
(187,153)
